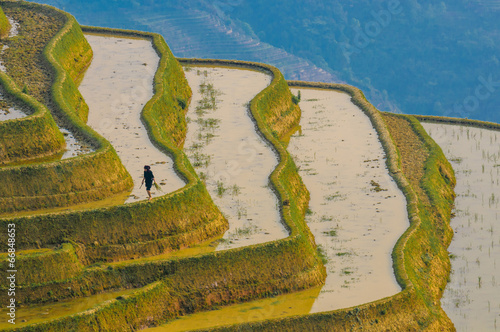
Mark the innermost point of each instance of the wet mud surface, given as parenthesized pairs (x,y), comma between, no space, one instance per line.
(472,297)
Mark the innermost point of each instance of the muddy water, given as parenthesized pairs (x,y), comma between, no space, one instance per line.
(14,31)
(14,27)
(231,157)
(41,313)
(8,110)
(117,85)
(274,307)
(357,213)
(11,111)
(472,297)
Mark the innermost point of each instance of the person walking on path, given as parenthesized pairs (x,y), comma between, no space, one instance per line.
(149,178)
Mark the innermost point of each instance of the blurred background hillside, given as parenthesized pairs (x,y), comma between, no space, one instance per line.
(415,57)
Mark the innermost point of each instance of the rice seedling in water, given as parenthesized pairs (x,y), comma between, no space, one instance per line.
(220,188)
(244,231)
(235,190)
(347,271)
(333,232)
(241,212)
(336,196)
(203,177)
(322,254)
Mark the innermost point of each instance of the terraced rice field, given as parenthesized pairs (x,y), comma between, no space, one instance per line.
(357,213)
(230,156)
(41,313)
(472,296)
(117,85)
(203,35)
(9,110)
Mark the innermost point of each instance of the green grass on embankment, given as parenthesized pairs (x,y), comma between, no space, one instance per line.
(31,137)
(4,25)
(34,136)
(41,266)
(34,60)
(458,121)
(176,220)
(421,262)
(203,282)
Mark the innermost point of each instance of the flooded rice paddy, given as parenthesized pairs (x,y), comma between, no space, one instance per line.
(9,110)
(41,313)
(356,212)
(116,86)
(269,308)
(472,297)
(230,156)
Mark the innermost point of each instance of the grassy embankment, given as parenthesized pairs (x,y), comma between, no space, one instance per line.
(29,138)
(32,137)
(421,261)
(168,223)
(4,25)
(181,286)
(33,61)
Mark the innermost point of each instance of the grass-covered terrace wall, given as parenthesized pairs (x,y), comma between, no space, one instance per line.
(458,121)
(31,137)
(128,231)
(186,285)
(75,180)
(4,25)
(421,262)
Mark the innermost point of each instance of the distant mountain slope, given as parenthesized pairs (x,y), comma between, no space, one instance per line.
(416,56)
(429,57)
(189,32)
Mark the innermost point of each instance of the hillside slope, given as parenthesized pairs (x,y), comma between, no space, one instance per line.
(417,57)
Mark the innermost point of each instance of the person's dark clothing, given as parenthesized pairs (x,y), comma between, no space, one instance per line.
(148,178)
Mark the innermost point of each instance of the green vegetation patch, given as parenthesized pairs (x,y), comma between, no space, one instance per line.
(34,60)
(36,267)
(4,25)
(420,260)
(31,137)
(24,58)
(182,286)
